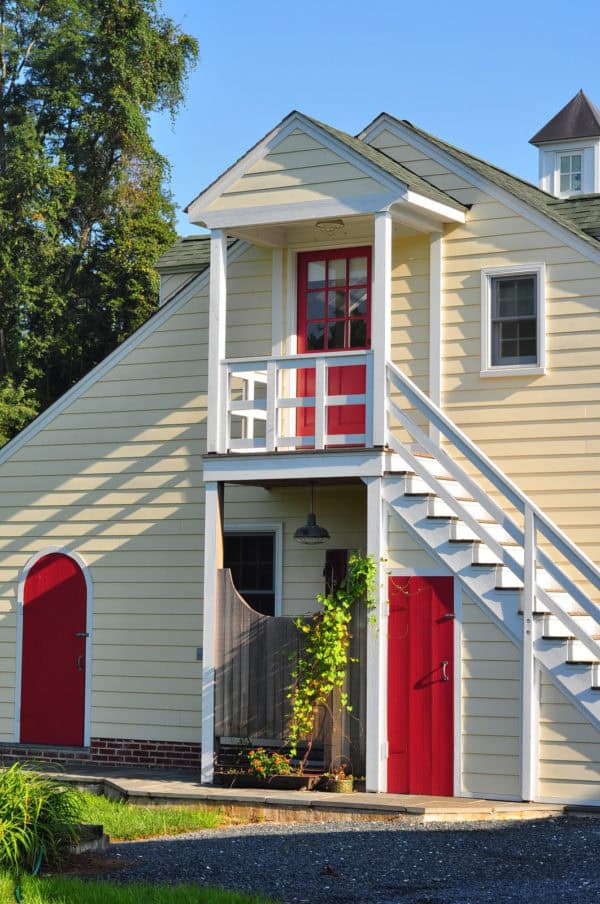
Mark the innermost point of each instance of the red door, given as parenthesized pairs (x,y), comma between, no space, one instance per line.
(420,686)
(334,292)
(53,660)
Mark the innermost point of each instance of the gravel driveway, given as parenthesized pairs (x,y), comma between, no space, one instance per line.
(554,861)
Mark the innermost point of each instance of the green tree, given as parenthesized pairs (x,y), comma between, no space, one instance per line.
(84,211)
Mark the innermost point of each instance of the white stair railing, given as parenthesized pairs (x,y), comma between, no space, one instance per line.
(534,519)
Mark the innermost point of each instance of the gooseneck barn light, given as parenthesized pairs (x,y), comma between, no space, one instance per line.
(311,533)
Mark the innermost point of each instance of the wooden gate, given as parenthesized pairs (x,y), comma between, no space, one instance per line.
(255,657)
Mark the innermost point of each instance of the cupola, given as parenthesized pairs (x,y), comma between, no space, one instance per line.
(569,150)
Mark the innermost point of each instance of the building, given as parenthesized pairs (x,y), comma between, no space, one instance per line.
(407,332)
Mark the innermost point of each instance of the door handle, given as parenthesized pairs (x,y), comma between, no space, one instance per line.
(80,663)
(444,670)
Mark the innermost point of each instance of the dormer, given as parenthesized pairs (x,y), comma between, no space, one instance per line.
(569,150)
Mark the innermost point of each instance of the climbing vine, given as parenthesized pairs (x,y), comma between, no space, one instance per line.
(323,665)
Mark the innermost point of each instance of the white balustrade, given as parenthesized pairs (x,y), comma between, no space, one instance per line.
(261,402)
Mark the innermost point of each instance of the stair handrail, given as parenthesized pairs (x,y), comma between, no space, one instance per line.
(498,479)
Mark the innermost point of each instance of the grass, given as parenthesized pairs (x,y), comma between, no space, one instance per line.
(126,822)
(67,891)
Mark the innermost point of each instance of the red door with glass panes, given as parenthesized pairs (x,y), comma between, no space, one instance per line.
(420,685)
(334,310)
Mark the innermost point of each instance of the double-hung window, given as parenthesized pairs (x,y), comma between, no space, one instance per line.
(570,173)
(513,331)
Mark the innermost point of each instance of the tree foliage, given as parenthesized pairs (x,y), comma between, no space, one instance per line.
(83,208)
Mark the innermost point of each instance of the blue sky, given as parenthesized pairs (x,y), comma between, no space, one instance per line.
(484,76)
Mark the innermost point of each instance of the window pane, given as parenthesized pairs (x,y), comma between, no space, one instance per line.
(358,333)
(316,274)
(315,336)
(565,164)
(358,271)
(315,305)
(336,304)
(335,334)
(510,329)
(576,163)
(565,182)
(576,182)
(358,301)
(509,348)
(337,272)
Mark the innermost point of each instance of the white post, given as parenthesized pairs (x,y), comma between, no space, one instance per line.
(529,702)
(272,430)
(435,326)
(217,307)
(213,560)
(376,722)
(320,395)
(381,315)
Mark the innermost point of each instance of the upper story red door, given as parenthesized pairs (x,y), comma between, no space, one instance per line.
(334,314)
(53,658)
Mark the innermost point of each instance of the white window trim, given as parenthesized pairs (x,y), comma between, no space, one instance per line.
(570,153)
(264,527)
(512,370)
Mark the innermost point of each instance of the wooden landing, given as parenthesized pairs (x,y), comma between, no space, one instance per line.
(145,788)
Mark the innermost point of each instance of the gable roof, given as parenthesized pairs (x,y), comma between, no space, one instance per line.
(583,210)
(358,148)
(580,118)
(520,188)
(387,164)
(190,252)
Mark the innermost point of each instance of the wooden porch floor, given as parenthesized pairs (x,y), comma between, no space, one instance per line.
(144,788)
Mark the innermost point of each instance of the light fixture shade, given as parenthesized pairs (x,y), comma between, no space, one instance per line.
(311,534)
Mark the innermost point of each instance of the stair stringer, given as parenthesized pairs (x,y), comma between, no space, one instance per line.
(502,604)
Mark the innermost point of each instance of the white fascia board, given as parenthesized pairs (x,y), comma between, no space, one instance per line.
(80,388)
(440,211)
(293,466)
(383,123)
(303,210)
(197,210)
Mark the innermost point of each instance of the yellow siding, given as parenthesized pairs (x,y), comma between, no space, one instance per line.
(490,707)
(116,478)
(541,430)
(299,169)
(569,750)
(249,316)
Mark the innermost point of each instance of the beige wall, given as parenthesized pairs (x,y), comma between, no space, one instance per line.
(340,508)
(298,169)
(116,478)
(569,750)
(490,707)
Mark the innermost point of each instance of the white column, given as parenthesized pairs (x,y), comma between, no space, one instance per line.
(435,326)
(213,560)
(277,330)
(381,317)
(217,307)
(529,672)
(376,722)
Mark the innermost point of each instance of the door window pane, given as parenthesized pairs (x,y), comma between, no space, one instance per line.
(358,271)
(251,558)
(336,304)
(336,335)
(315,305)
(358,333)
(337,272)
(315,336)
(358,301)
(316,274)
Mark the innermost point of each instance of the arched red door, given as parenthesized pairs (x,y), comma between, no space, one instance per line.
(53,657)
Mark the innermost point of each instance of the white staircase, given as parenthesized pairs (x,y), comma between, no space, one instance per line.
(493,554)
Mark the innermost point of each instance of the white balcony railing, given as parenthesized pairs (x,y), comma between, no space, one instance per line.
(261,403)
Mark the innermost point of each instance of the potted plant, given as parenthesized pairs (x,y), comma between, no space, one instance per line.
(339,780)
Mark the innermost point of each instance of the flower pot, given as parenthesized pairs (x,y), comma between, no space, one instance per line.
(340,785)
